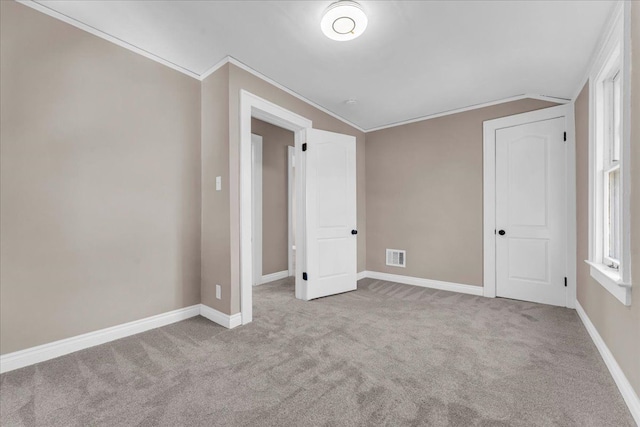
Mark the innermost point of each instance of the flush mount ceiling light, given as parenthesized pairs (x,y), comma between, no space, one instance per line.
(343,20)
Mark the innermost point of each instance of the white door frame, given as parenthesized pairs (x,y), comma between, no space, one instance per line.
(256,219)
(290,188)
(489,193)
(254,106)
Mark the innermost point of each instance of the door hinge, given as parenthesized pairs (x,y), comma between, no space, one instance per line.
(304,276)
(304,147)
(565,137)
(565,282)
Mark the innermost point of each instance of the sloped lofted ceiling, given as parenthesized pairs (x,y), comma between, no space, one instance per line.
(416,58)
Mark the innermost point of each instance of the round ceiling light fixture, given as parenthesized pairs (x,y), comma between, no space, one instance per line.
(343,20)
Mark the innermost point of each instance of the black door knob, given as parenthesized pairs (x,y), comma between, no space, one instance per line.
(354,231)
(502,232)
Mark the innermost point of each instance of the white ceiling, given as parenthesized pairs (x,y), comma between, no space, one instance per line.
(415,59)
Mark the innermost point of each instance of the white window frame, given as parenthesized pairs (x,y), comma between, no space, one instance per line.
(604,144)
(613,59)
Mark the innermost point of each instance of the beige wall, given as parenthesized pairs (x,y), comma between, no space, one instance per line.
(99,185)
(424,194)
(618,325)
(216,258)
(275,195)
(240,79)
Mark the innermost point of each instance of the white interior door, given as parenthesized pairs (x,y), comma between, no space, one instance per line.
(330,207)
(256,201)
(531,212)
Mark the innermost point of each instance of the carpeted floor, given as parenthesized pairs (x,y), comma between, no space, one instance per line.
(387,354)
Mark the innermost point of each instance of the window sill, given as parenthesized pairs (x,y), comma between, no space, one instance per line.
(611,280)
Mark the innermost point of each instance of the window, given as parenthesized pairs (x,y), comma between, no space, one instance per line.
(611,169)
(609,232)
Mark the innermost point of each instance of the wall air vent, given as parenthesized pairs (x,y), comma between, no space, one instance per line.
(396,258)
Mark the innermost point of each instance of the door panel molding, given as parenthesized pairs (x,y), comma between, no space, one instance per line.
(490,127)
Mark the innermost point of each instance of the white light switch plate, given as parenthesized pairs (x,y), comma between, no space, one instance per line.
(218,183)
(218,292)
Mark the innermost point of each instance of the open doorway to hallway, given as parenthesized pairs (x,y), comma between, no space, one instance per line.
(273,195)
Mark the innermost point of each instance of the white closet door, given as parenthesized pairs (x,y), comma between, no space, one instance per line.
(531,212)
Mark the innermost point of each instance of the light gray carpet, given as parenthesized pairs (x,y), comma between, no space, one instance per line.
(387,354)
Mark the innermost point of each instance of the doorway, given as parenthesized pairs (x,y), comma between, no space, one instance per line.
(252,106)
(325,188)
(530,207)
(272,195)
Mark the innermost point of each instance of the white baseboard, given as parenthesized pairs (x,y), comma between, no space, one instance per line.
(226,320)
(425,283)
(267,278)
(361,275)
(41,353)
(629,395)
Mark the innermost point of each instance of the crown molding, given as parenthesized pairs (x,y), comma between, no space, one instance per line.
(231,60)
(214,68)
(40,7)
(614,15)
(272,82)
(472,107)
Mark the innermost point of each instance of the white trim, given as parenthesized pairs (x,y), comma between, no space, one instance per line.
(278,275)
(224,61)
(41,353)
(571,209)
(625,149)
(42,7)
(291,158)
(469,108)
(489,212)
(226,320)
(598,48)
(629,395)
(549,98)
(256,217)
(424,283)
(489,193)
(611,281)
(616,33)
(254,106)
(272,82)
(44,352)
(362,275)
